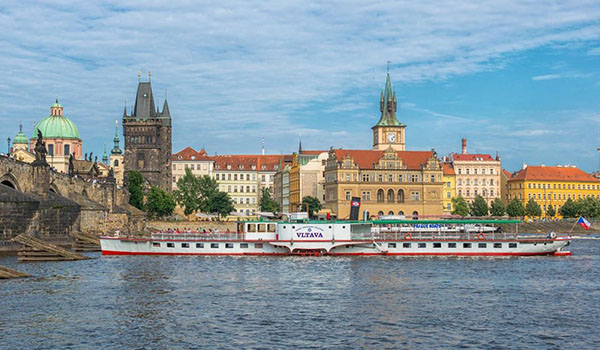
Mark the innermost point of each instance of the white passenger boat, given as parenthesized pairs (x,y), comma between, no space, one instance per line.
(379,237)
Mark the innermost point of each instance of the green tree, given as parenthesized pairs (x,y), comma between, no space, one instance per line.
(532,209)
(135,181)
(550,211)
(220,203)
(479,207)
(159,203)
(460,206)
(189,192)
(515,208)
(569,209)
(209,188)
(314,205)
(497,208)
(267,203)
(588,207)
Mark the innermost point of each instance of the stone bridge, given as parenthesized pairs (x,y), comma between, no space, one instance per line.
(36,199)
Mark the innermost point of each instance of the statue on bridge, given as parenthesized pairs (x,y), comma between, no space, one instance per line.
(71,165)
(40,150)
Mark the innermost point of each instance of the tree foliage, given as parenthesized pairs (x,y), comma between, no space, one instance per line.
(479,207)
(515,208)
(267,203)
(532,209)
(159,203)
(588,207)
(220,203)
(135,181)
(460,206)
(569,209)
(209,190)
(550,211)
(314,205)
(497,208)
(188,193)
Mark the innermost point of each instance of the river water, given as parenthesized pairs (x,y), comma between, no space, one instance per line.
(137,302)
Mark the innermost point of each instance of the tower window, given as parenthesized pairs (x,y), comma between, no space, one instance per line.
(66,150)
(51,150)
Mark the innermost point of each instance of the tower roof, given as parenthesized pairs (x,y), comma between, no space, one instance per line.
(116,149)
(388,106)
(144,102)
(20,138)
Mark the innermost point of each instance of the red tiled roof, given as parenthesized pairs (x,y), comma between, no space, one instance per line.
(313,152)
(473,157)
(366,159)
(535,172)
(506,173)
(248,160)
(448,169)
(188,152)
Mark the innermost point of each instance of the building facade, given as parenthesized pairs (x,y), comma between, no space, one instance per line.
(388,182)
(198,162)
(477,175)
(552,185)
(307,177)
(449,191)
(116,157)
(147,133)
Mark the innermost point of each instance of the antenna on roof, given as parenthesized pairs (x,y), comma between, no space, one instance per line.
(149,76)
(139,76)
(263,146)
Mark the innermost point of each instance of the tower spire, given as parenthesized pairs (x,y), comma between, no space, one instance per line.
(116,149)
(300,145)
(387,104)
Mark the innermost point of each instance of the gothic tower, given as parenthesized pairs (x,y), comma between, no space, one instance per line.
(388,132)
(147,133)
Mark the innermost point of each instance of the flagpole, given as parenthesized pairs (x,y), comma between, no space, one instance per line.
(575,223)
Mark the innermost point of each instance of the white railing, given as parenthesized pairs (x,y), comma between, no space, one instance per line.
(225,236)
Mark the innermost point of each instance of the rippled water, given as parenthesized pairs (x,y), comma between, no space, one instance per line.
(305,302)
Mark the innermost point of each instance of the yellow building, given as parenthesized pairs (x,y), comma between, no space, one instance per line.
(306,177)
(552,185)
(388,182)
(449,191)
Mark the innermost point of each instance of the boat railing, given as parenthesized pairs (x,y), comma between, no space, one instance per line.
(233,236)
(424,235)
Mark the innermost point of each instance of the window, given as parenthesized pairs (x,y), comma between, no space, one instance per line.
(258,245)
(405,245)
(466,245)
(229,245)
(155,244)
(214,245)
(399,178)
(390,178)
(497,245)
(243,245)
(347,195)
(50,150)
(366,196)
(432,178)
(437,245)
(422,245)
(380,177)
(365,177)
(170,245)
(452,245)
(482,245)
(347,177)
(199,245)
(414,178)
(391,245)
(512,245)
(66,150)
(185,245)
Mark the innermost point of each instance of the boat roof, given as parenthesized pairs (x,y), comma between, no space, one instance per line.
(385,222)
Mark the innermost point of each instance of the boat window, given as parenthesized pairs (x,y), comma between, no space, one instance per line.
(329,227)
(451,245)
(185,245)
(228,245)
(497,245)
(155,244)
(261,227)
(466,245)
(284,226)
(258,245)
(271,227)
(199,245)
(214,245)
(243,245)
(422,245)
(482,245)
(437,245)
(512,245)
(251,228)
(391,245)
(405,245)
(293,227)
(170,245)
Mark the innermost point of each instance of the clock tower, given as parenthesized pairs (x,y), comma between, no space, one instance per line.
(388,132)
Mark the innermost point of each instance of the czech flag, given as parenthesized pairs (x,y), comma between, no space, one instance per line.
(584,223)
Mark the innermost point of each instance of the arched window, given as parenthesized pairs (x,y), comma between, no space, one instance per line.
(400,196)
(116,162)
(380,196)
(415,215)
(390,213)
(400,212)
(380,213)
(390,196)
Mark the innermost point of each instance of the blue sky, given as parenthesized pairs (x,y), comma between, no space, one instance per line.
(518,77)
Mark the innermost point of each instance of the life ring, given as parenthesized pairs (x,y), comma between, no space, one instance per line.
(480,236)
(408,236)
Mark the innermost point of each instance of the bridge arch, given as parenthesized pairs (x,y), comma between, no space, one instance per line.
(10,180)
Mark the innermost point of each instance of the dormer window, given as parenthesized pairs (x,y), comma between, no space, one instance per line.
(228,167)
(253,167)
(193,157)
(241,166)
(264,167)
(179,157)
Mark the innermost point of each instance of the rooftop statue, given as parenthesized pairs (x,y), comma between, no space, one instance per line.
(40,150)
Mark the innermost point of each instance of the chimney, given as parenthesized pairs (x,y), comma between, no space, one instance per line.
(524,165)
(464,146)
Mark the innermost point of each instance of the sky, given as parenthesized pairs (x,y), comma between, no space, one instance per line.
(521,78)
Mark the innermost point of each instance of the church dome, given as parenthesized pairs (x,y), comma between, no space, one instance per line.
(21,138)
(56,125)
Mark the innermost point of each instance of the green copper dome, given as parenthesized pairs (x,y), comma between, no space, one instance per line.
(56,125)
(20,138)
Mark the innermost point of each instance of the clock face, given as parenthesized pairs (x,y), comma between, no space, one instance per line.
(391,137)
